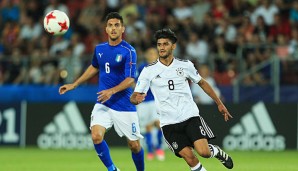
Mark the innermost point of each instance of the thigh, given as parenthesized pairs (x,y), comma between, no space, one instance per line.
(127,124)
(197,129)
(101,116)
(176,138)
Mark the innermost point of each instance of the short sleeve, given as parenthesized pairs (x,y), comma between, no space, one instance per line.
(143,83)
(193,73)
(95,60)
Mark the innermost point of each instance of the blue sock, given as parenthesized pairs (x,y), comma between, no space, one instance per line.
(159,139)
(138,159)
(148,138)
(103,153)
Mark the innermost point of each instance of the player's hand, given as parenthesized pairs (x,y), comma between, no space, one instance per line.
(224,111)
(104,95)
(140,97)
(65,88)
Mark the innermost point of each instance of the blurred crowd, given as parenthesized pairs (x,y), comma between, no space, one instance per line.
(225,37)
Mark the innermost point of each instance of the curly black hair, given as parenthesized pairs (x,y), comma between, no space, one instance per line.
(166,34)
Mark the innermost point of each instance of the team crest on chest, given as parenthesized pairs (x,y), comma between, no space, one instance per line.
(180,72)
(118,58)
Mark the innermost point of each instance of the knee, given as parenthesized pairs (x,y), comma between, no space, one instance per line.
(97,138)
(134,146)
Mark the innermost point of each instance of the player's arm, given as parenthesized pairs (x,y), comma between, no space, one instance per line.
(89,73)
(137,98)
(105,95)
(209,90)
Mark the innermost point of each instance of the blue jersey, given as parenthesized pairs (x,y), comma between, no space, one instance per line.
(149,96)
(115,63)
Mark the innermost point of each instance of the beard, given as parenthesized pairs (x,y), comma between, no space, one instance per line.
(166,55)
(114,38)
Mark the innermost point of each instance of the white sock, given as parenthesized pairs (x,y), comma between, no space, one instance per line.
(198,167)
(213,150)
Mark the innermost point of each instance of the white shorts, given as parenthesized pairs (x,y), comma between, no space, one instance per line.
(147,114)
(125,123)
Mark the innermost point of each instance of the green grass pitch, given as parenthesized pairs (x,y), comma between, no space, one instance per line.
(33,159)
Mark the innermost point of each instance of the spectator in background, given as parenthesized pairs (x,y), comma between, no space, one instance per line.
(10,36)
(9,11)
(30,31)
(226,29)
(35,73)
(294,13)
(196,48)
(199,95)
(33,9)
(293,43)
(128,8)
(71,59)
(16,70)
(246,29)
(90,14)
(267,10)
(219,11)
(182,11)
(199,9)
(280,26)
(261,29)
(56,5)
(238,11)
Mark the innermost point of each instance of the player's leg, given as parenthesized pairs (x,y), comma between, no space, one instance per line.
(145,111)
(178,141)
(191,159)
(127,124)
(149,142)
(101,117)
(137,154)
(221,155)
(199,132)
(159,150)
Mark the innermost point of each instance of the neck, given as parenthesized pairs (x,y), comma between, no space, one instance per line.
(166,61)
(114,42)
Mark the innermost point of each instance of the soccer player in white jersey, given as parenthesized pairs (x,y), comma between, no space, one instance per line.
(115,61)
(183,128)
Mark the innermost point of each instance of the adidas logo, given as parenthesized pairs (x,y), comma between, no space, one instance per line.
(67,130)
(255,131)
(158,76)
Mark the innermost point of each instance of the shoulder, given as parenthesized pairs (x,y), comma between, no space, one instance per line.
(182,60)
(127,46)
(152,64)
(101,45)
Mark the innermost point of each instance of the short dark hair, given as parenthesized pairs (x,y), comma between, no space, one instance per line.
(166,34)
(116,15)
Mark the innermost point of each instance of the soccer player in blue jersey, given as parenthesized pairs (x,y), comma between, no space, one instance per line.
(148,115)
(115,61)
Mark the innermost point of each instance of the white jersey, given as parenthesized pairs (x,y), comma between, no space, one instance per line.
(170,87)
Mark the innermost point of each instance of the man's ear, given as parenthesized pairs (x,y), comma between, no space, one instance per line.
(174,46)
